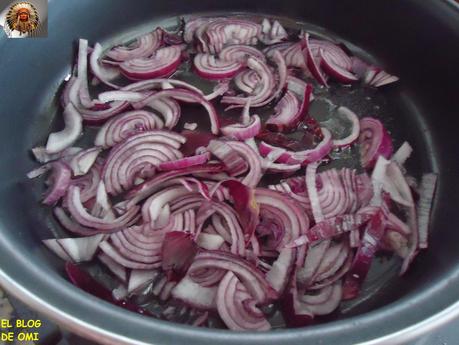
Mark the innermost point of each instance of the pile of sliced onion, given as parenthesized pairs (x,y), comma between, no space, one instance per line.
(180,213)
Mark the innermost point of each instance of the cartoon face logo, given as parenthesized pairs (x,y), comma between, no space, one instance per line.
(22,17)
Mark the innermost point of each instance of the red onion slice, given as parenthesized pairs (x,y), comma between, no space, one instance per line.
(355,129)
(76,249)
(188,96)
(223,31)
(243,132)
(138,156)
(374,141)
(334,53)
(362,260)
(144,46)
(250,276)
(290,110)
(311,62)
(253,160)
(312,192)
(104,73)
(240,53)
(272,33)
(426,193)
(247,81)
(302,157)
(80,214)
(120,127)
(185,162)
(59,141)
(209,67)
(60,182)
(163,63)
(195,295)
(237,308)
(84,160)
(266,85)
(178,251)
(335,71)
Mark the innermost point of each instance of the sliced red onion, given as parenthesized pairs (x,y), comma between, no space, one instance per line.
(402,154)
(138,156)
(235,164)
(120,127)
(185,162)
(246,206)
(364,256)
(302,157)
(295,221)
(60,182)
(103,73)
(138,279)
(250,276)
(426,195)
(272,33)
(220,89)
(237,308)
(195,295)
(355,129)
(325,302)
(265,91)
(312,192)
(377,77)
(144,46)
(290,110)
(294,56)
(121,95)
(334,53)
(188,96)
(82,75)
(311,62)
(236,233)
(229,31)
(151,186)
(374,141)
(311,263)
(247,81)
(335,71)
(279,273)
(243,132)
(253,160)
(59,141)
(163,63)
(192,25)
(96,117)
(77,249)
(178,251)
(191,126)
(161,84)
(84,160)
(209,241)
(79,213)
(42,156)
(240,53)
(395,184)
(209,67)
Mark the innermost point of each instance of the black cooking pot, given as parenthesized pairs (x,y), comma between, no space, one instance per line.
(416,40)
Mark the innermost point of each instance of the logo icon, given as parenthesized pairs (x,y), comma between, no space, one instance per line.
(23,18)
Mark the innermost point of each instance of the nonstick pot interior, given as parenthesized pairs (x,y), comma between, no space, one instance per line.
(418,41)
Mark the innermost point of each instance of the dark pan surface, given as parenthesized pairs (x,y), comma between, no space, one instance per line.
(417,41)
